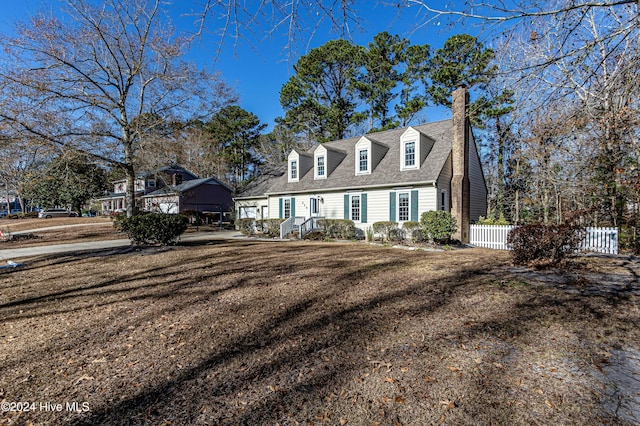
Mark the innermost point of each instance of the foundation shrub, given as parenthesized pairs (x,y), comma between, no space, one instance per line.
(270,227)
(412,231)
(387,230)
(438,226)
(342,229)
(314,236)
(246,226)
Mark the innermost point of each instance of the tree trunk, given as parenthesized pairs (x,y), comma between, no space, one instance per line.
(130,174)
(517,207)
(500,160)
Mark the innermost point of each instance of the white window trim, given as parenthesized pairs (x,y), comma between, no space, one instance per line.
(359,195)
(443,197)
(291,178)
(398,206)
(324,157)
(416,154)
(284,208)
(368,170)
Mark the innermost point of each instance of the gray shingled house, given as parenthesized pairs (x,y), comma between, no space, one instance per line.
(393,175)
(202,195)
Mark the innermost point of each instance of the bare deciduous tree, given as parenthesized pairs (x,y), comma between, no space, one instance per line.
(298,21)
(19,160)
(80,80)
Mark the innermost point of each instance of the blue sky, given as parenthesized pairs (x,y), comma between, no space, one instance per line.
(259,68)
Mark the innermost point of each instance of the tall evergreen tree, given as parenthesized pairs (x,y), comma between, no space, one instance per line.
(320,99)
(494,108)
(379,78)
(412,99)
(463,61)
(237,132)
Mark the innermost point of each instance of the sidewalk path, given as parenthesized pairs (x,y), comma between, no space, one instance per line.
(12,254)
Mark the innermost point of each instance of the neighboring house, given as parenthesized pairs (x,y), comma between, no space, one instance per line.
(207,195)
(172,189)
(116,200)
(393,175)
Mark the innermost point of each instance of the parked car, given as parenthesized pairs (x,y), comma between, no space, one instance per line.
(49,213)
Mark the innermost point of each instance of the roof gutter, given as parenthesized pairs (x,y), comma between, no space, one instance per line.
(352,188)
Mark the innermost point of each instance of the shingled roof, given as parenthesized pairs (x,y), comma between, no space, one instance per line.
(183,187)
(386,173)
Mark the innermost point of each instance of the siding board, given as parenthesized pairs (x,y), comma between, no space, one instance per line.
(478,190)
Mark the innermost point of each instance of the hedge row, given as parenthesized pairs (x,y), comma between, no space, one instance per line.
(436,226)
(342,229)
(270,227)
(246,226)
(541,245)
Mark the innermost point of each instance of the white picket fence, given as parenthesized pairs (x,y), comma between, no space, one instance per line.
(490,236)
(598,240)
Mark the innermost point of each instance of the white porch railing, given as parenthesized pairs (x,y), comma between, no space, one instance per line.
(598,240)
(309,225)
(290,225)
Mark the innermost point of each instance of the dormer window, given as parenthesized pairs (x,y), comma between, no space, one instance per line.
(363,161)
(320,168)
(409,154)
(325,160)
(367,155)
(298,164)
(414,149)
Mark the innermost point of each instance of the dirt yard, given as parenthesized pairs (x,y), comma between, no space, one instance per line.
(286,333)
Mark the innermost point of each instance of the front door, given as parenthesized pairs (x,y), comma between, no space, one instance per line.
(314,207)
(265,212)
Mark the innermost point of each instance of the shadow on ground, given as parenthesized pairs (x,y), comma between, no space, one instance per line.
(251,333)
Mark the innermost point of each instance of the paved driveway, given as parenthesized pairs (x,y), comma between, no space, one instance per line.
(12,254)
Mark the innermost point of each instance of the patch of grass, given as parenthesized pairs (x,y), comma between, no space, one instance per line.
(510,283)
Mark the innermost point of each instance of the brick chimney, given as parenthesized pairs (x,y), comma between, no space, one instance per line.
(460,190)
